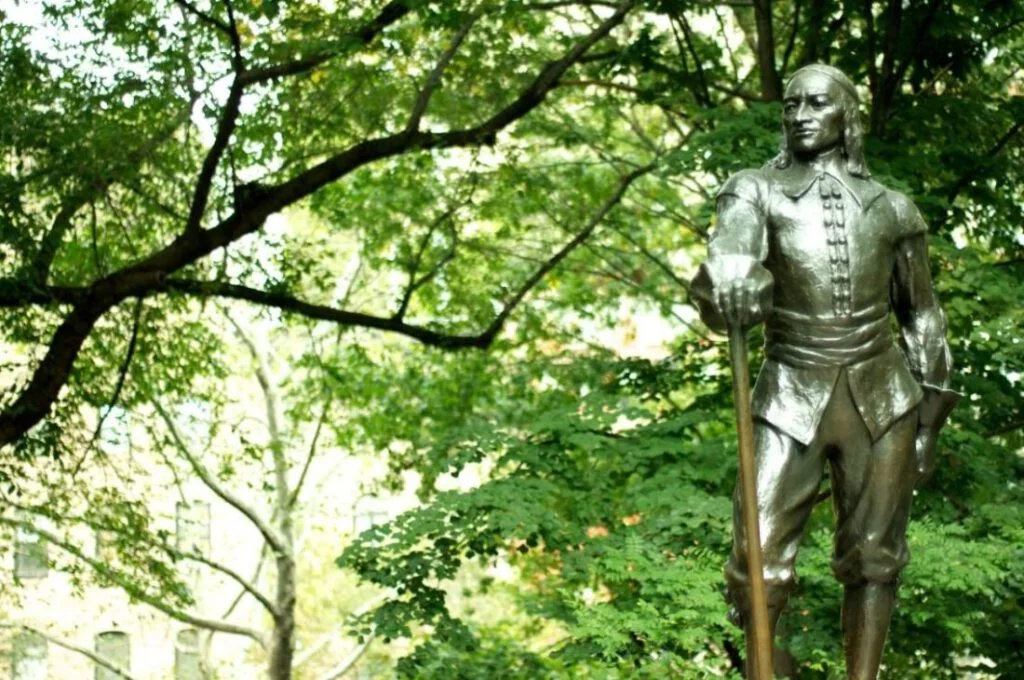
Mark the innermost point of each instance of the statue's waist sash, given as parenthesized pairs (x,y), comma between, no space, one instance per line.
(808,341)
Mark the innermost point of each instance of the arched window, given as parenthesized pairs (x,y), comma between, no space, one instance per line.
(192,527)
(30,553)
(192,535)
(186,655)
(28,657)
(369,511)
(113,646)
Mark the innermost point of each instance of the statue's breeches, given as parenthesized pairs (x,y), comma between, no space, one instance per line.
(872,487)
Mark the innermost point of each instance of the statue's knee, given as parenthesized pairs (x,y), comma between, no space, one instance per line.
(870,561)
(739,599)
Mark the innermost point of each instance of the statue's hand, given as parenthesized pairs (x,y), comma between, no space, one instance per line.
(741,302)
(925,445)
(732,290)
(936,405)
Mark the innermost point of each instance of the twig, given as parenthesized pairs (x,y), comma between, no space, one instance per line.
(132,589)
(88,653)
(269,534)
(122,374)
(434,78)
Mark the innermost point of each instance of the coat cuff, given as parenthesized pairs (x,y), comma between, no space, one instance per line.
(936,405)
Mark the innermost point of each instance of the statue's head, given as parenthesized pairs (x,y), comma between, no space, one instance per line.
(819,113)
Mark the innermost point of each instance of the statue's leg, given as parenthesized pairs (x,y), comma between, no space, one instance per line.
(873,486)
(788,477)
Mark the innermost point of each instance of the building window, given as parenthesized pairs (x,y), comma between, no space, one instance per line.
(368,512)
(114,647)
(30,558)
(28,660)
(106,545)
(186,655)
(192,527)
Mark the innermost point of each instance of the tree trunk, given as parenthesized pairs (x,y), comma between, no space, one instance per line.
(283,642)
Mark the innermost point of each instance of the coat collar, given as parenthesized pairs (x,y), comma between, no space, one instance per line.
(795,181)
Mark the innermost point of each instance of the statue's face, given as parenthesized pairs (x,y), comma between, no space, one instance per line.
(811,114)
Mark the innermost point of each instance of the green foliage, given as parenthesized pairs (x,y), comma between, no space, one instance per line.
(605,481)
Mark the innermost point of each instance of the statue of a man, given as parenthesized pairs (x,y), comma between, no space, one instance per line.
(823,254)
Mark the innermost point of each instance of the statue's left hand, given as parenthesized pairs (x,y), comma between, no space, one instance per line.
(925,446)
(936,405)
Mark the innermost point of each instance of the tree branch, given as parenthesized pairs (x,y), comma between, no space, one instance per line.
(247,586)
(771,88)
(225,128)
(417,283)
(149,275)
(88,653)
(972,173)
(322,641)
(613,200)
(237,61)
(343,667)
(482,340)
(205,17)
(309,310)
(388,15)
(133,589)
(269,535)
(283,491)
(122,375)
(434,78)
(792,36)
(704,96)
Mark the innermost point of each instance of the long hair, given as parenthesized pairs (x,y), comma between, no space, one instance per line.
(853,129)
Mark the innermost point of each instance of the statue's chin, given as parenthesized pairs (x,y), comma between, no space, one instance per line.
(805,145)
(809,148)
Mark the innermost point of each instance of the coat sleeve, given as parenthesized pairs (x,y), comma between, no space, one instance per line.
(737,248)
(922,322)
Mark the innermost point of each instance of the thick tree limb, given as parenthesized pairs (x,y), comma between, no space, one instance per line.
(88,653)
(225,128)
(185,250)
(149,275)
(771,88)
(288,303)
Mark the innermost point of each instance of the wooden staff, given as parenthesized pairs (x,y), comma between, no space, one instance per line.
(759,644)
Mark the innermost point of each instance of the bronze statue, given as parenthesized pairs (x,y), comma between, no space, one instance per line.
(821,253)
